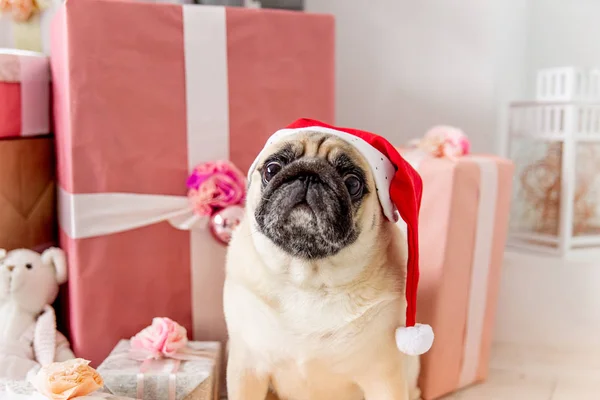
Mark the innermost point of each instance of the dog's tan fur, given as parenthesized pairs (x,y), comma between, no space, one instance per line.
(318,330)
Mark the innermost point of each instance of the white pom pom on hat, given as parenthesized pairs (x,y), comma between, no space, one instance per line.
(414,340)
(399,189)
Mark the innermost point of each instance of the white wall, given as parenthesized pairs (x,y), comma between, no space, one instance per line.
(563,33)
(405,65)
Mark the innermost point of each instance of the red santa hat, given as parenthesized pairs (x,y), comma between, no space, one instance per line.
(399,189)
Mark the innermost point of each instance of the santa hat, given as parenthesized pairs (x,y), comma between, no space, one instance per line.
(399,189)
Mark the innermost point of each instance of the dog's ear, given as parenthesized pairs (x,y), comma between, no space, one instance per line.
(2,253)
(56,257)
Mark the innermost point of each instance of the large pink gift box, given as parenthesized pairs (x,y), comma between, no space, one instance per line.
(24,93)
(462,232)
(143,93)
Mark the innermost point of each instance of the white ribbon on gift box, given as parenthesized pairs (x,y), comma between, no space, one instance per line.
(96,214)
(480,267)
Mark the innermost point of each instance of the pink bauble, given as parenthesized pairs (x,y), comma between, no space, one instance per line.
(223,222)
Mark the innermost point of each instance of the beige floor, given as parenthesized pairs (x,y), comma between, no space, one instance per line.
(538,374)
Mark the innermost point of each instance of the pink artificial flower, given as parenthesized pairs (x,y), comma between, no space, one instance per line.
(163,338)
(212,186)
(445,141)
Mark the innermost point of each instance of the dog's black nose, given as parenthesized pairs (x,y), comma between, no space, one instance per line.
(309,177)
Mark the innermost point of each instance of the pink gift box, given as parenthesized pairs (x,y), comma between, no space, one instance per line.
(143,93)
(24,94)
(462,232)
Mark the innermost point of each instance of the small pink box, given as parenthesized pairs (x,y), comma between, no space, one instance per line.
(24,93)
(143,93)
(462,232)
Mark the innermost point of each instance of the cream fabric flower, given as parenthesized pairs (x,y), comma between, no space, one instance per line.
(67,380)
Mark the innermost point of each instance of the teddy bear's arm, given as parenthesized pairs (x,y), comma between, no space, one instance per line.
(63,350)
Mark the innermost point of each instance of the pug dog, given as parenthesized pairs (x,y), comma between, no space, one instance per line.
(315,280)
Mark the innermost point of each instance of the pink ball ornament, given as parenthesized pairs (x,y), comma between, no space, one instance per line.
(223,223)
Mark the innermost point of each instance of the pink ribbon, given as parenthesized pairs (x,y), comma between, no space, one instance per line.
(150,363)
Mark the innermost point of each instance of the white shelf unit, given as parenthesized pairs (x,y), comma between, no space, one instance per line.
(556,196)
(568,84)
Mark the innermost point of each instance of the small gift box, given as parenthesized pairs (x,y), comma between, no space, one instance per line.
(24,93)
(160,364)
(15,388)
(462,232)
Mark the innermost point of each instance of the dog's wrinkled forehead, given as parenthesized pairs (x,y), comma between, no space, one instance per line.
(314,145)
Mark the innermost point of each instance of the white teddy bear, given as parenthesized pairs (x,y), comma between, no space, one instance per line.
(28,285)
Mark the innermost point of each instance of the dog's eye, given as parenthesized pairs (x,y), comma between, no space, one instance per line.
(271,170)
(28,266)
(354,185)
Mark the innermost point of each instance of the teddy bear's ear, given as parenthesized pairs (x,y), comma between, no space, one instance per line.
(56,258)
